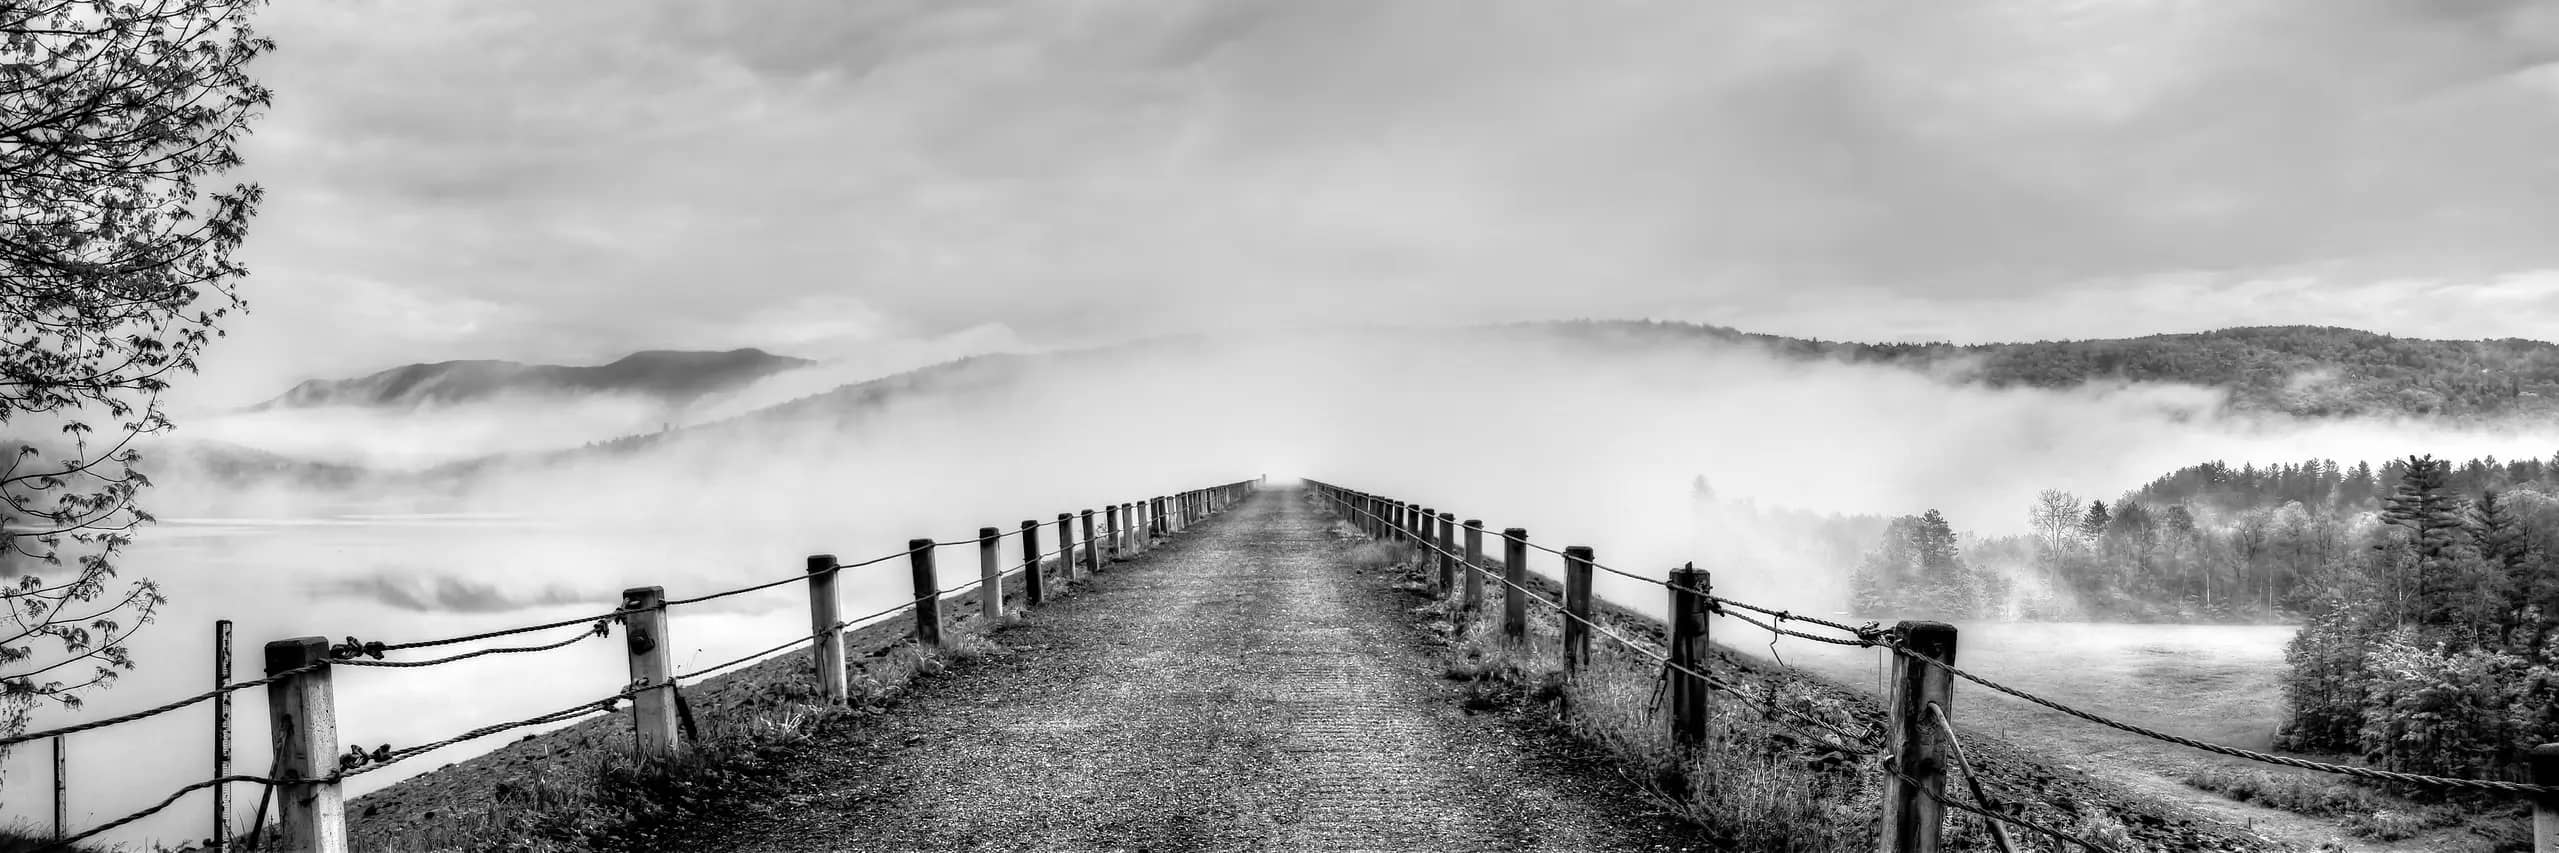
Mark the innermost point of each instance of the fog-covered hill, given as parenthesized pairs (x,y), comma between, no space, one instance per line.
(671,376)
(2302,370)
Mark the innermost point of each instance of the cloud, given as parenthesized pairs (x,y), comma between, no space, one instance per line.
(446,594)
(621,175)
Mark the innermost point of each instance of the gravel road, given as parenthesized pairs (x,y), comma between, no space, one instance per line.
(1243,687)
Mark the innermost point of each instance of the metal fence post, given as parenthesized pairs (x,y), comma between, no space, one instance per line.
(303,715)
(2545,807)
(221,839)
(1577,577)
(826,639)
(1913,817)
(1689,587)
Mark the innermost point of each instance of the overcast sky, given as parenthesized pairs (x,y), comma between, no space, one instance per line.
(569,181)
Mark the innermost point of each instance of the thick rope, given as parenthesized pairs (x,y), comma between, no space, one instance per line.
(599,629)
(165,802)
(2232,751)
(159,709)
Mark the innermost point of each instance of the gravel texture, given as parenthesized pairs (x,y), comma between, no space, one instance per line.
(1242,687)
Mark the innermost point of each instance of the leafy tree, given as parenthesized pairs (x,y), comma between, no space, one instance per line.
(115,266)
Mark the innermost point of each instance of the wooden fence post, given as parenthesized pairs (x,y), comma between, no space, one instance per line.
(1689,587)
(1034,586)
(1577,560)
(1092,545)
(1138,538)
(1116,533)
(221,839)
(826,650)
(303,714)
(2545,807)
(1400,521)
(928,593)
(1474,564)
(1066,545)
(1423,519)
(653,712)
(1913,817)
(990,574)
(1447,547)
(1515,583)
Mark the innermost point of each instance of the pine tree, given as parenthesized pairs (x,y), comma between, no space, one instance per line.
(2507,550)
(2425,506)
(2093,524)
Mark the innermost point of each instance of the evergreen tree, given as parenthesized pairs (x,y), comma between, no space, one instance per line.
(2093,524)
(2425,506)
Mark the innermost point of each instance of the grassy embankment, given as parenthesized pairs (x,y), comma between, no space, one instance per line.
(579,788)
(1763,781)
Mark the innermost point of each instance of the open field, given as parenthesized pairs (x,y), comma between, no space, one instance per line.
(2217,683)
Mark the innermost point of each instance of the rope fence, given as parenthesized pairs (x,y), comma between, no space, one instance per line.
(1919,733)
(312,770)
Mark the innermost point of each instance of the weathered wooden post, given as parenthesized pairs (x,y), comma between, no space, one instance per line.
(1114,532)
(928,593)
(303,714)
(221,736)
(1689,587)
(653,712)
(1034,587)
(1138,536)
(826,638)
(1066,545)
(1092,545)
(1474,564)
(1447,548)
(990,574)
(1913,817)
(1399,520)
(1515,583)
(2544,762)
(1423,519)
(1577,560)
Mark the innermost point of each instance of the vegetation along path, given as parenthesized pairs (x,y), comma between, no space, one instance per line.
(1242,688)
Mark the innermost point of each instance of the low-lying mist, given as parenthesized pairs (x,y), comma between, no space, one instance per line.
(1578,439)
(1582,442)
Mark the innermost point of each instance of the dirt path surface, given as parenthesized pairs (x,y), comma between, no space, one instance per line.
(1240,688)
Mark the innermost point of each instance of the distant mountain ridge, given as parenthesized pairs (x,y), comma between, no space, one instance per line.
(2312,371)
(674,376)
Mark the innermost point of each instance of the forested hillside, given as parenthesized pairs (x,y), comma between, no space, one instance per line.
(2303,370)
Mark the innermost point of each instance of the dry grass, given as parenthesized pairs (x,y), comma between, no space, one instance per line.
(1762,781)
(611,800)
(1753,784)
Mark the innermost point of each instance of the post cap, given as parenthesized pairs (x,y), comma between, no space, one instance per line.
(1515,532)
(295,653)
(821,563)
(919,544)
(989,532)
